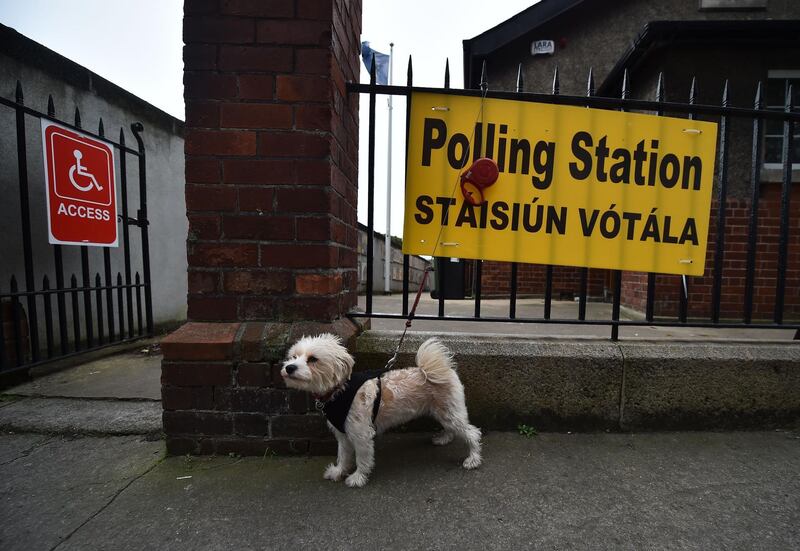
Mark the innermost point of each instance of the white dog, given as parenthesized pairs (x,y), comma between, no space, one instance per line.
(359,406)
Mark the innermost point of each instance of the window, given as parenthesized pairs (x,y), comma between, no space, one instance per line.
(777,87)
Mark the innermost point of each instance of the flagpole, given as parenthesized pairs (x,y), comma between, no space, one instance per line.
(387,256)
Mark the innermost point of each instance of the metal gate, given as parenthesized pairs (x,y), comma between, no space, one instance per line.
(46,318)
(786,119)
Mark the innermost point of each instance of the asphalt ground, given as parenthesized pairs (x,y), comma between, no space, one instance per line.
(696,490)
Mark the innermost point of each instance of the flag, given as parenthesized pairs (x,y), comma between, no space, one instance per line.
(381,63)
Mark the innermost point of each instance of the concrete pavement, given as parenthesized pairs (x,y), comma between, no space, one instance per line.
(115,395)
(552,491)
(69,480)
(561,310)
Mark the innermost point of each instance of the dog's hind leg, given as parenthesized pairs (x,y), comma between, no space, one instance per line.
(344,459)
(453,417)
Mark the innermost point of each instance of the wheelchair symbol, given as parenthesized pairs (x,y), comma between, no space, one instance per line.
(80,170)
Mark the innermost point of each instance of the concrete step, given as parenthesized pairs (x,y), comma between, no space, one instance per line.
(586,384)
(80,416)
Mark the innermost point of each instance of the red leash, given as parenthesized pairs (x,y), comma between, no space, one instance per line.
(393,359)
(416,300)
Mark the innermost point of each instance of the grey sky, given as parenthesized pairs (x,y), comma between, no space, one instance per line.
(134,44)
(137,45)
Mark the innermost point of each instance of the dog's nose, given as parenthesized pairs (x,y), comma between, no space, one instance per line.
(291,368)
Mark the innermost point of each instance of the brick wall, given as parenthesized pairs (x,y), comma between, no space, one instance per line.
(271,189)
(634,285)
(271,158)
(222,392)
(496,280)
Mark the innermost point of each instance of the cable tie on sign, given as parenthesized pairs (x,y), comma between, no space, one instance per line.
(692,130)
(685,261)
(440,109)
(449,244)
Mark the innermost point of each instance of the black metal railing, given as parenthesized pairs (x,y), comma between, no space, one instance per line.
(88,324)
(722,113)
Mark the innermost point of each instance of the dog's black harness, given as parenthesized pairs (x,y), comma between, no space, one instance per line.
(338,405)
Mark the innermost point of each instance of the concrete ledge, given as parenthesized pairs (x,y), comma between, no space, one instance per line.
(685,385)
(90,417)
(594,384)
(550,384)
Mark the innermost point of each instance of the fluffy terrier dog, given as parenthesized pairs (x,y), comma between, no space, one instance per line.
(359,406)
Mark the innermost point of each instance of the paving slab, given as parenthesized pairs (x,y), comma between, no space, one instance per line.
(534,308)
(50,486)
(554,491)
(77,416)
(131,375)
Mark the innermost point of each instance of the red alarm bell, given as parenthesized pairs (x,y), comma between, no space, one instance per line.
(482,174)
(472,193)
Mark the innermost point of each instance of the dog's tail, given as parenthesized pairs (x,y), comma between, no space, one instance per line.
(436,361)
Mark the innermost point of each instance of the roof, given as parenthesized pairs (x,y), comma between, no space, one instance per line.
(511,29)
(27,51)
(658,35)
(396,241)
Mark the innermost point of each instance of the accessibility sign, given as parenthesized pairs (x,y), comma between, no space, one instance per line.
(81,195)
(576,186)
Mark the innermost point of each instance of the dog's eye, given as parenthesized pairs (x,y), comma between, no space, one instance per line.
(312,359)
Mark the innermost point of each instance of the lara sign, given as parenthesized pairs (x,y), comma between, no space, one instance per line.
(577,186)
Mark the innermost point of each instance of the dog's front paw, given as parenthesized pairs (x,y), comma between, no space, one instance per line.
(334,473)
(356,480)
(472,462)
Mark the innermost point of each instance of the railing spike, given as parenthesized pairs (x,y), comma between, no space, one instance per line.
(51,108)
(121,136)
(101,131)
(725,94)
(97,281)
(447,73)
(556,83)
(13,284)
(693,91)
(789,93)
(590,83)
(409,72)
(660,87)
(757,102)
(77,117)
(626,84)
(519,78)
(372,71)
(18,94)
(484,81)
(45,282)
(73,281)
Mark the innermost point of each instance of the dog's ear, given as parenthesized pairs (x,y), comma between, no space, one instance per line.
(336,339)
(343,358)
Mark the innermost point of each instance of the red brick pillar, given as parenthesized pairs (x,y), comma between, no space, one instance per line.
(271,188)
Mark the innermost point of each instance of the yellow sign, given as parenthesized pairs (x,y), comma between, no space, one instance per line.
(577,186)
